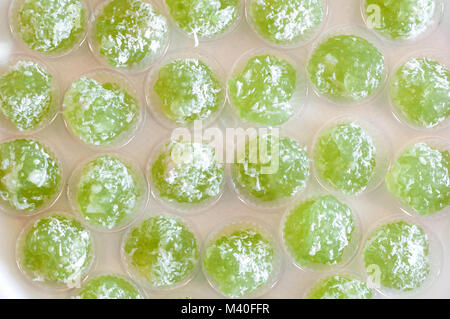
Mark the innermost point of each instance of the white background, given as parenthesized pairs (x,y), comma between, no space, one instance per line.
(294,281)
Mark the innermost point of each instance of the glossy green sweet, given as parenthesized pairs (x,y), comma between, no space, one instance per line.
(27,95)
(130,33)
(397,254)
(108,287)
(286,22)
(262,92)
(162,250)
(204,18)
(400,19)
(344,157)
(30,175)
(318,231)
(57,250)
(240,263)
(346,68)
(420,178)
(340,287)
(272,168)
(189,91)
(187,173)
(109,192)
(420,91)
(51,26)
(100,114)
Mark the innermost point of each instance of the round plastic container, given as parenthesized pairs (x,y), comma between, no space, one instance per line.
(99,275)
(154,101)
(439,143)
(349,251)
(243,224)
(135,68)
(47,284)
(301,41)
(401,116)
(4,207)
(371,16)
(345,274)
(349,30)
(103,76)
(6,123)
(14,9)
(180,207)
(435,260)
(299,96)
(162,258)
(198,38)
(246,197)
(383,154)
(132,168)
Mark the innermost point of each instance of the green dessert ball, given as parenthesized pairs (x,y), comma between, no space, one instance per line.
(397,254)
(319,231)
(263,91)
(187,173)
(240,263)
(30,175)
(204,19)
(109,192)
(28,95)
(130,34)
(100,114)
(109,287)
(162,251)
(420,178)
(51,26)
(346,68)
(344,157)
(188,91)
(278,174)
(340,287)
(57,250)
(400,19)
(420,92)
(286,22)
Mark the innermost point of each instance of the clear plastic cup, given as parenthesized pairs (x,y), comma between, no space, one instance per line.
(435,253)
(299,97)
(371,15)
(137,68)
(161,259)
(302,41)
(35,277)
(350,250)
(398,114)
(247,198)
(383,153)
(154,102)
(198,39)
(439,143)
(103,76)
(172,205)
(141,183)
(350,30)
(14,9)
(8,209)
(254,225)
(6,123)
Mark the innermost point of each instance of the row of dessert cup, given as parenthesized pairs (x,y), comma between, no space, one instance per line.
(354,249)
(243,10)
(383,165)
(299,99)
